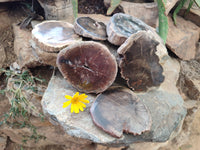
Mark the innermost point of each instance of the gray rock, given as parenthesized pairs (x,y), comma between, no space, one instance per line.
(2,55)
(3,141)
(164,103)
(137,10)
(44,57)
(189,81)
(58,10)
(183,38)
(22,48)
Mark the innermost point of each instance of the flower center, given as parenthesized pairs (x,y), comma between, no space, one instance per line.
(74,100)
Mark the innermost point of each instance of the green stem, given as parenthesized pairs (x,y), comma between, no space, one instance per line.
(163,21)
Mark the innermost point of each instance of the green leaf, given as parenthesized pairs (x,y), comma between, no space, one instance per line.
(178,8)
(75,8)
(189,7)
(197,2)
(113,5)
(163,21)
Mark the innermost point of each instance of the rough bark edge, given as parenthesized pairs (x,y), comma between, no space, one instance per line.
(50,48)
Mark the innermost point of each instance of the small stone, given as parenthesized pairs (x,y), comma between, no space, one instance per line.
(15,67)
(3,141)
(107,3)
(137,10)
(197,57)
(189,80)
(2,56)
(182,38)
(22,48)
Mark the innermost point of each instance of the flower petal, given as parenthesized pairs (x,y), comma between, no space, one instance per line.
(82,96)
(82,105)
(65,104)
(84,100)
(76,94)
(68,97)
(76,109)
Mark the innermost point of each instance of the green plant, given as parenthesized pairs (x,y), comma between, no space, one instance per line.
(181,4)
(75,8)
(113,5)
(17,115)
(163,22)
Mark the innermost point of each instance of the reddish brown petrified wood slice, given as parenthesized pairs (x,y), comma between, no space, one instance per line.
(88,66)
(139,62)
(87,27)
(121,26)
(52,36)
(118,109)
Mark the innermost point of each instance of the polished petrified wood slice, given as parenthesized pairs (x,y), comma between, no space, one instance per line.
(52,36)
(118,109)
(88,66)
(140,64)
(121,26)
(87,27)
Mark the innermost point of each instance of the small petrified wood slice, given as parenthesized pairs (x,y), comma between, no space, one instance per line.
(139,64)
(121,26)
(118,109)
(87,27)
(52,36)
(88,66)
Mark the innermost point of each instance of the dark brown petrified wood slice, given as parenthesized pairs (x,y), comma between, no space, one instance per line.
(118,110)
(121,26)
(140,64)
(52,36)
(87,27)
(88,66)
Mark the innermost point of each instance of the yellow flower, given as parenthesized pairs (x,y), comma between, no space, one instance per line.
(77,102)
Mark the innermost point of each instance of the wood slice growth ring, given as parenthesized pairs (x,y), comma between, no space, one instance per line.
(87,27)
(117,110)
(52,36)
(121,26)
(140,64)
(88,66)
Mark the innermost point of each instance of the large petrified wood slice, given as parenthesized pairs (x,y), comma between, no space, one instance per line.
(52,36)
(87,27)
(121,26)
(118,109)
(140,64)
(88,66)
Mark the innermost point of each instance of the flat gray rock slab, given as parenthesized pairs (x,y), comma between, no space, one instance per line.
(165,105)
